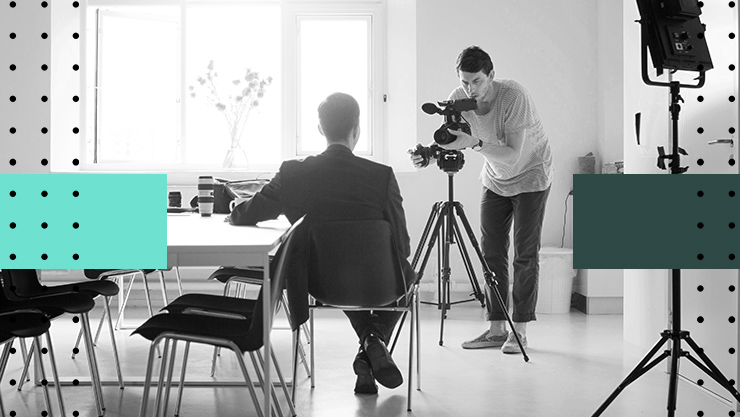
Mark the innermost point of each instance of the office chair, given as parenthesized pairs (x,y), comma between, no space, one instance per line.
(28,323)
(241,334)
(53,306)
(354,265)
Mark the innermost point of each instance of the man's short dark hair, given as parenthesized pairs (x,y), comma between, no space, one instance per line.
(473,59)
(338,115)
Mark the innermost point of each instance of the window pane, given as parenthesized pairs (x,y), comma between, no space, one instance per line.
(138,113)
(334,56)
(234,38)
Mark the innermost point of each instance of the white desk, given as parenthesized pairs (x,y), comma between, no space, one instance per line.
(193,240)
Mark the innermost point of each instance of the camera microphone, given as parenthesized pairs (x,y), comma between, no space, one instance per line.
(430,108)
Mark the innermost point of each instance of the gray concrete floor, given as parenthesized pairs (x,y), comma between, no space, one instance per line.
(576,362)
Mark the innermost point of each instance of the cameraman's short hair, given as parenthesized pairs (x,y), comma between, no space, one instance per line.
(338,115)
(473,59)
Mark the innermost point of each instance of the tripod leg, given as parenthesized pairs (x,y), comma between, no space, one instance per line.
(468,266)
(712,370)
(425,235)
(638,371)
(471,237)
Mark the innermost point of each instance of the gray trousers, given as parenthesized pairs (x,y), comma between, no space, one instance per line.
(527,212)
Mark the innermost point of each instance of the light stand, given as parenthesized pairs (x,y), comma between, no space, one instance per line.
(675,335)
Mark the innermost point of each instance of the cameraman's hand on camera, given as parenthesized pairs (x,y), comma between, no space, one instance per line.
(463,141)
(416,158)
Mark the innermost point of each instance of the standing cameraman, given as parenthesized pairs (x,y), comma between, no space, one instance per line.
(516,177)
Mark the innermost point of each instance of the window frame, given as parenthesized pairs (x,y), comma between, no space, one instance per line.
(290,10)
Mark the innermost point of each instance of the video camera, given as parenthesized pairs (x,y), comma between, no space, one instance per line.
(448,160)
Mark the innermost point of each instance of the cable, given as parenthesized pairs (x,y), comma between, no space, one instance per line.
(562,240)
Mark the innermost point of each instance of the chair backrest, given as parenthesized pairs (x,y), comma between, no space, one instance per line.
(354,263)
(19,284)
(277,283)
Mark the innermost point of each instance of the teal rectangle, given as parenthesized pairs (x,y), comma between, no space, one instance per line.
(656,221)
(121,219)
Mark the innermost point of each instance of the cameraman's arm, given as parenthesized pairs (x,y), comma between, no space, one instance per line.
(506,154)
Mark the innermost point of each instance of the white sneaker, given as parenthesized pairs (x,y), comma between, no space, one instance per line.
(486,340)
(511,346)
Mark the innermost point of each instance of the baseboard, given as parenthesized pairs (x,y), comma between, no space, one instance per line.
(597,305)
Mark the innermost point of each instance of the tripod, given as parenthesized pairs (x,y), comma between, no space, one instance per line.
(442,222)
(675,335)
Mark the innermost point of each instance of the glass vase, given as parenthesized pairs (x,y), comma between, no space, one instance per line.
(236,159)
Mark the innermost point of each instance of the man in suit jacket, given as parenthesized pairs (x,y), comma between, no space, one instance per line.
(337,185)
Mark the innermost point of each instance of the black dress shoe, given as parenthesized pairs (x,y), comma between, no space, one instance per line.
(385,370)
(365,381)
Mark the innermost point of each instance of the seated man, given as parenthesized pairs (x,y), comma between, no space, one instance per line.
(337,185)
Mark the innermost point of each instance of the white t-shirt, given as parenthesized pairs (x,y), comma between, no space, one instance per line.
(512,110)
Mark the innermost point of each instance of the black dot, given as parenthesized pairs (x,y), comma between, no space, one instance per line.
(75,162)
(44,99)
(44,193)
(12,225)
(75,382)
(75,35)
(700,193)
(731,288)
(44,67)
(12,130)
(700,319)
(44,35)
(12,4)
(700,256)
(12,257)
(12,351)
(12,414)
(700,98)
(700,225)
(44,225)
(701,4)
(76,4)
(732,351)
(75,130)
(75,193)
(12,35)
(44,4)
(44,162)
(731,130)
(12,193)
(75,225)
(75,99)
(44,256)
(75,413)
(732,256)
(75,67)
(732,99)
(700,130)
(44,413)
(12,99)
(44,382)
(75,350)
(732,4)
(75,256)
(732,194)
(732,67)
(700,162)
(44,351)
(732,225)
(12,67)
(731,35)
(44,130)
(12,162)
(700,288)
(12,382)
(731,161)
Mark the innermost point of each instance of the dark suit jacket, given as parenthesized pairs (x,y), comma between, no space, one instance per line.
(334,185)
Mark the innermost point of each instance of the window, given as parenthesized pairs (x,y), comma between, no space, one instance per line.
(170,76)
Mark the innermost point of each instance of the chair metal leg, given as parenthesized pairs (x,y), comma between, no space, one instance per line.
(113,343)
(311,342)
(160,383)
(24,375)
(182,378)
(24,351)
(55,374)
(92,364)
(77,343)
(168,385)
(148,378)
(294,358)
(45,387)
(258,370)
(122,305)
(279,373)
(243,366)
(100,326)
(164,286)
(418,338)
(411,358)
(179,280)
(5,357)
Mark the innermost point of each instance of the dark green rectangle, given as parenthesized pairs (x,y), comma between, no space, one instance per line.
(656,221)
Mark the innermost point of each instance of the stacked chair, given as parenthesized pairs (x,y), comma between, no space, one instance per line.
(220,321)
